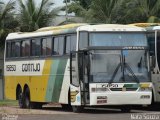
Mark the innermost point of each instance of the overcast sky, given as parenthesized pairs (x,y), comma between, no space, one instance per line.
(57,2)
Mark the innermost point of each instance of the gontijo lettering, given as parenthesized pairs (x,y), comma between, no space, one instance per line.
(32,67)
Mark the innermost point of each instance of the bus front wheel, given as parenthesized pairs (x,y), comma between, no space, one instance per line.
(21,99)
(77,109)
(126,109)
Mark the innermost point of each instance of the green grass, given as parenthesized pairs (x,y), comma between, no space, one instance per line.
(8,103)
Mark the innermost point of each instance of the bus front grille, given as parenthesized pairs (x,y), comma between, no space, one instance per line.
(123,89)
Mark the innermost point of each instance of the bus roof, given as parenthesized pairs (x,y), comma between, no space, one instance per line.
(156,28)
(145,24)
(71,28)
(46,31)
(150,27)
(111,27)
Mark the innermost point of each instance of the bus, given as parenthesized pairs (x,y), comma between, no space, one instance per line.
(153,36)
(78,65)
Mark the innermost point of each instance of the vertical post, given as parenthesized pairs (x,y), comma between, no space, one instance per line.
(66,10)
(157,67)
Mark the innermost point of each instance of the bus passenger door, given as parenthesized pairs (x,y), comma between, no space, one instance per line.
(75,93)
(83,70)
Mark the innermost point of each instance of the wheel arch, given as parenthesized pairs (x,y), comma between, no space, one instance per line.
(18,88)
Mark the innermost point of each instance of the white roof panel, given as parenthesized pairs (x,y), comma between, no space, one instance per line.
(110,28)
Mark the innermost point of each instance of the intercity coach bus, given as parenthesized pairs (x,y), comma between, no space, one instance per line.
(153,36)
(78,65)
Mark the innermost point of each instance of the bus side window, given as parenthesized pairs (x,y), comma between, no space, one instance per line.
(8,50)
(68,44)
(61,45)
(49,46)
(12,49)
(46,46)
(55,46)
(17,49)
(36,47)
(73,42)
(25,47)
(83,40)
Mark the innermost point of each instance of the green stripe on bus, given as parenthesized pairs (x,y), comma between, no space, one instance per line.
(51,81)
(59,80)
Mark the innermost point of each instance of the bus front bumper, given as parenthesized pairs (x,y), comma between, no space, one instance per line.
(121,98)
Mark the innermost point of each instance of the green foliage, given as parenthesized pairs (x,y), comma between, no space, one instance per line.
(32,17)
(8,23)
(117,11)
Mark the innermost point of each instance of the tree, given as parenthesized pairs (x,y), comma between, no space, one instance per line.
(79,7)
(32,17)
(8,23)
(149,10)
(104,11)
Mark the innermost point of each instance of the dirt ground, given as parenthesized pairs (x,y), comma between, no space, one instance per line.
(56,109)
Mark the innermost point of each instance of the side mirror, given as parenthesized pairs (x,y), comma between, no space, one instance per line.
(152,62)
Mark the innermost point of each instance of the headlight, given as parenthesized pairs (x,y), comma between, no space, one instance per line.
(145,89)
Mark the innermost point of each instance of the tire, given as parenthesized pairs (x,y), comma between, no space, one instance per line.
(21,99)
(77,109)
(66,106)
(27,102)
(126,109)
(36,105)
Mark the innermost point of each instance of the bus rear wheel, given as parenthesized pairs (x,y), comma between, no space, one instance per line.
(27,102)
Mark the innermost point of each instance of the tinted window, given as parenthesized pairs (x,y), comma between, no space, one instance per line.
(17,49)
(73,42)
(55,46)
(12,49)
(58,46)
(44,45)
(48,46)
(25,48)
(118,39)
(8,49)
(68,44)
(36,47)
(61,45)
(83,40)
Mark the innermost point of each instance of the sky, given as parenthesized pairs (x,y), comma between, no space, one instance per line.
(57,2)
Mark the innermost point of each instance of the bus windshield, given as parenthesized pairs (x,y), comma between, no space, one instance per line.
(117,39)
(119,66)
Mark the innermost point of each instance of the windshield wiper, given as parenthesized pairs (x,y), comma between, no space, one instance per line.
(116,70)
(124,66)
(130,70)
